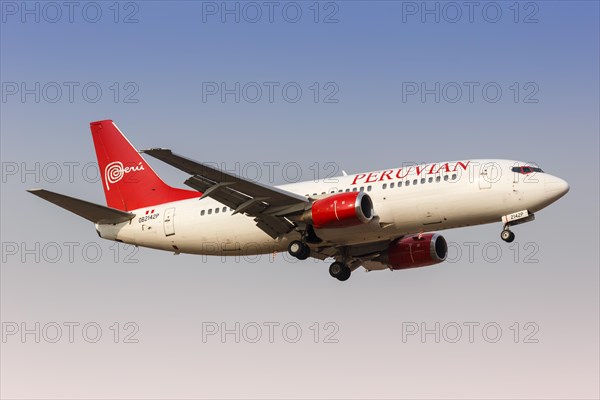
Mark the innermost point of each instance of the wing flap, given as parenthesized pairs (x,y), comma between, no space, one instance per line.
(90,211)
(273,226)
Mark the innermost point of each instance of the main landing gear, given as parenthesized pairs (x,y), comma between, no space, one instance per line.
(507,235)
(299,249)
(340,271)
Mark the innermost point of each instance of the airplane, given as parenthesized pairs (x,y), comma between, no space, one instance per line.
(377,220)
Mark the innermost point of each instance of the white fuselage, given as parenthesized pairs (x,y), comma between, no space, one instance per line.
(430,197)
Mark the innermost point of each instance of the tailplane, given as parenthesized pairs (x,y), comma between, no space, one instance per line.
(128,181)
(92,212)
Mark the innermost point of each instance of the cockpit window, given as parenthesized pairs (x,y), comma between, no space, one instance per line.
(526,169)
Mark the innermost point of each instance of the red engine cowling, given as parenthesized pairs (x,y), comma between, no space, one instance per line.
(413,252)
(340,211)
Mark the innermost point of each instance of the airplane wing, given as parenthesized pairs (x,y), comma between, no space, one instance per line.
(364,255)
(269,206)
(363,251)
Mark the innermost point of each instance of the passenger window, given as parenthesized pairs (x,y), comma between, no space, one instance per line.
(362,188)
(453,176)
(430,179)
(354,189)
(216,210)
(224,209)
(422,181)
(415,182)
(347,190)
(384,186)
(209,211)
(400,184)
(437,179)
(392,185)
(202,212)
(407,183)
(369,188)
(340,191)
(445,177)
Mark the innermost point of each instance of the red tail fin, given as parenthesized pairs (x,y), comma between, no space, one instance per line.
(129,182)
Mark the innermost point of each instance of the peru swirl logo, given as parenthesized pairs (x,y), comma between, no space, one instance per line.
(115,171)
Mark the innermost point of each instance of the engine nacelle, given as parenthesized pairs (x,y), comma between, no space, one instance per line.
(413,252)
(340,211)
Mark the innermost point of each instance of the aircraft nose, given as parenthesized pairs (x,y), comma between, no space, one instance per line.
(555,187)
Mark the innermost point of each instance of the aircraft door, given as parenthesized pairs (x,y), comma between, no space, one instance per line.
(169,222)
(486,172)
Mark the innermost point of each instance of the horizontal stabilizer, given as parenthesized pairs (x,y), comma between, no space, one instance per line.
(90,211)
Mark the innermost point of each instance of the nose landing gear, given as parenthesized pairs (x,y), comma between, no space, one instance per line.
(507,235)
(517,218)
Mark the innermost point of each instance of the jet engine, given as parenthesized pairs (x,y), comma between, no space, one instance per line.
(340,211)
(416,251)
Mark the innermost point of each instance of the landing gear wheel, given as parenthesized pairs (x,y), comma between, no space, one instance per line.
(299,250)
(507,236)
(345,275)
(305,253)
(340,271)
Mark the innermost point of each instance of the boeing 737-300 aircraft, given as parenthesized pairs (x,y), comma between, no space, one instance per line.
(377,220)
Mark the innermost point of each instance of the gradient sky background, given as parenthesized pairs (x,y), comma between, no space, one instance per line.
(551,281)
